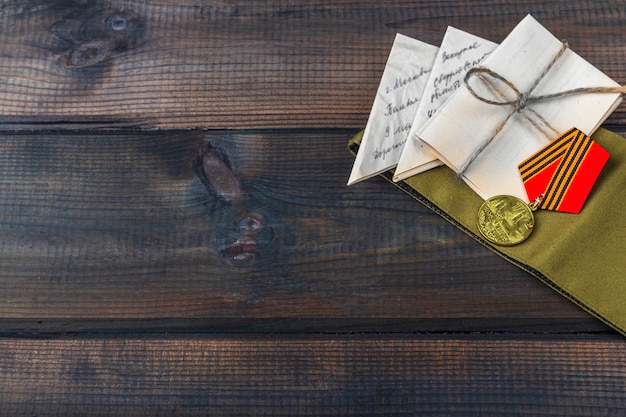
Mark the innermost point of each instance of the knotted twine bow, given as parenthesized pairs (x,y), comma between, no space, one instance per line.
(521,101)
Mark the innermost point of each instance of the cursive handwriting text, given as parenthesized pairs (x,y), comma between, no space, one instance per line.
(445,56)
(401,82)
(448,82)
(393,109)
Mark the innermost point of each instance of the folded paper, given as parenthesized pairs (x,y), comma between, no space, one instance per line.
(399,93)
(459,52)
(496,138)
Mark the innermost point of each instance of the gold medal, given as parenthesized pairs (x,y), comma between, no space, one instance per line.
(506,220)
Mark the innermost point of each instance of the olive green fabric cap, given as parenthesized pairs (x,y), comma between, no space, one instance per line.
(582,256)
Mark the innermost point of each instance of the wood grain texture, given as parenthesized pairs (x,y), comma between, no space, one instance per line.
(247,64)
(125,225)
(228,270)
(321,377)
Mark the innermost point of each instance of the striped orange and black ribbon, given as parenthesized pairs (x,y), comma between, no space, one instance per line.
(564,172)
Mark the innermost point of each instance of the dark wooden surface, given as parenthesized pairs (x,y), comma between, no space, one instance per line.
(134,280)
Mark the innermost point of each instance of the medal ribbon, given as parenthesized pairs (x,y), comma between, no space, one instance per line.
(563,172)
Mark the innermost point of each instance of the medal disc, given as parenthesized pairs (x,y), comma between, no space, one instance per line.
(505,220)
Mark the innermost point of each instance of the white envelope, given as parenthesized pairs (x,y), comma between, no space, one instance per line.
(465,125)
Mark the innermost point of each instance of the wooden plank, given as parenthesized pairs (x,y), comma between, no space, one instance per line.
(124,225)
(246,64)
(289,326)
(495,376)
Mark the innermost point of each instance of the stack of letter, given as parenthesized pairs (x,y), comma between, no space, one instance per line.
(432,107)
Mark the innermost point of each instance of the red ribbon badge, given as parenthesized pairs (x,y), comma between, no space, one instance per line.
(564,172)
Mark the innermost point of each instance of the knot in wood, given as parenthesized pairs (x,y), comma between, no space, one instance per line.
(221,178)
(116,23)
(92,37)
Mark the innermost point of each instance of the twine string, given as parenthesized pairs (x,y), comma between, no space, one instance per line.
(519,104)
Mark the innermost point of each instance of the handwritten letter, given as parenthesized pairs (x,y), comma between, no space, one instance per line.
(399,94)
(459,52)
